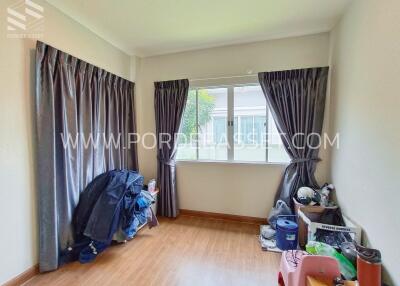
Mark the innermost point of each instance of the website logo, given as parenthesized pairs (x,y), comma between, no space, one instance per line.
(25,19)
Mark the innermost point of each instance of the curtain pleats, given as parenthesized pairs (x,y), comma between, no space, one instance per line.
(296,99)
(169,102)
(79,107)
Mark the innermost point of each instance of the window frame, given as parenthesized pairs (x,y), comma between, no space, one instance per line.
(230,84)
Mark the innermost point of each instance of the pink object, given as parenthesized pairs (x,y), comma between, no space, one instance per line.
(297,264)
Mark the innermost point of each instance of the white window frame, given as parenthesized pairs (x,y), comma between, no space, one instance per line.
(229,83)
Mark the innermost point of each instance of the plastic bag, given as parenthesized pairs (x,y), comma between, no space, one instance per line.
(281,208)
(151,186)
(346,268)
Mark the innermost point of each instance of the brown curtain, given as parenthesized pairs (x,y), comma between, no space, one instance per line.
(169,102)
(296,99)
(90,106)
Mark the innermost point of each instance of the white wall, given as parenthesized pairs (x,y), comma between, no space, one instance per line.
(240,189)
(18,219)
(366,102)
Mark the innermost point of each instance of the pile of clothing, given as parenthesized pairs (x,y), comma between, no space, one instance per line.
(112,207)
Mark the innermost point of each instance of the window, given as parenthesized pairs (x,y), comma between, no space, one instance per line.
(229,123)
(212,114)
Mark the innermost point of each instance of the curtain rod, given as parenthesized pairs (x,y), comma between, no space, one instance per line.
(223,77)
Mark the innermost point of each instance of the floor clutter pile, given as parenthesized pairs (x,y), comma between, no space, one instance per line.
(112,208)
(319,245)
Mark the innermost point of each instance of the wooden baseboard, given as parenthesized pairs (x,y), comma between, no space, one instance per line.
(23,277)
(237,218)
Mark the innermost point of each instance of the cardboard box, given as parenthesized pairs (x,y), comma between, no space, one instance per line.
(308,226)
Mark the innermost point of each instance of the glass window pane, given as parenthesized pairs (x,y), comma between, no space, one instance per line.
(219,129)
(236,129)
(213,113)
(187,132)
(250,109)
(276,151)
(246,129)
(259,129)
(252,135)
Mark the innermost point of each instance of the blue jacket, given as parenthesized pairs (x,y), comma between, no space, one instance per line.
(102,205)
(113,201)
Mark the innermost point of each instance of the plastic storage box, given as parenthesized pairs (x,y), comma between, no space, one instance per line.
(308,226)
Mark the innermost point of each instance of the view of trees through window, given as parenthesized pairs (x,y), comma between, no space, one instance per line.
(238,129)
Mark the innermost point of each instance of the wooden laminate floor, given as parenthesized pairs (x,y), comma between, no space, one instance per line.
(185,251)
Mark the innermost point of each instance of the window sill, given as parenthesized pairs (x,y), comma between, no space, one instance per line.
(179,162)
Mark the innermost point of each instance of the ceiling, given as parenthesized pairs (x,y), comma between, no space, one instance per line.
(155,27)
